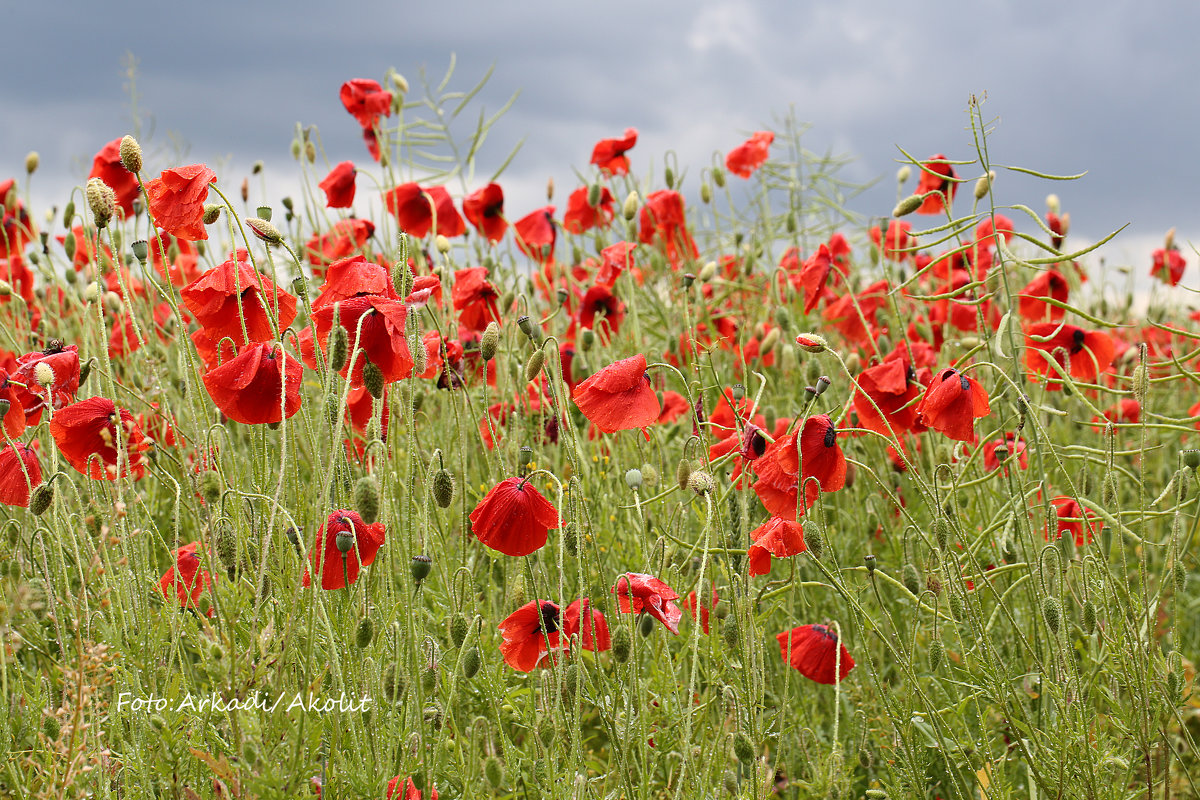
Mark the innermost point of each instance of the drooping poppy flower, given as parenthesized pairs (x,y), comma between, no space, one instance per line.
(531,633)
(400,788)
(1058,225)
(1016,450)
(582,216)
(186,581)
(662,220)
(1081,354)
(1072,518)
(952,403)
(781,470)
(415,209)
(86,434)
(346,238)
(619,397)
(63,363)
(581,620)
(514,518)
(637,592)
(1032,299)
(475,299)
(366,101)
(260,386)
(380,335)
(750,154)
(609,154)
(177,200)
(232,294)
(1168,266)
(985,232)
(484,208)
(20,474)
(344,545)
(339,186)
(815,651)
(107,167)
(937,175)
(351,277)
(776,537)
(707,605)
(884,400)
(813,276)
(536,234)
(614,260)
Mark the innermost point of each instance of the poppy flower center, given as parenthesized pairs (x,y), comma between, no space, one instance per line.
(549,615)
(830,436)
(1077,341)
(824,631)
(966,385)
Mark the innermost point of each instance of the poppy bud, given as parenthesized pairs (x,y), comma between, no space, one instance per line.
(489,341)
(730,632)
(622,644)
(1179,573)
(909,204)
(903,174)
(1106,541)
(705,193)
(443,488)
(366,499)
(344,541)
(264,230)
(429,677)
(364,634)
(743,748)
(1087,617)
(941,532)
(688,280)
(1141,382)
(633,479)
(41,498)
(683,473)
(912,579)
(339,347)
(707,271)
(812,343)
(869,562)
(958,607)
(1051,611)
(769,341)
(393,684)
(718,176)
(984,185)
(5,291)
(702,482)
(373,379)
(458,629)
(91,292)
(31,162)
(212,212)
(51,727)
(102,200)
(420,568)
(533,367)
(471,662)
(493,770)
(630,207)
(645,625)
(669,177)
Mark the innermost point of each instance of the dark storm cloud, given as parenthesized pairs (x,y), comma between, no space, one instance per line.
(1070,87)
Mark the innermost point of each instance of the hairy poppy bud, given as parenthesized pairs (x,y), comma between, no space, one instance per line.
(429,677)
(373,379)
(912,579)
(420,567)
(622,644)
(958,607)
(1141,382)
(365,633)
(339,348)
(937,652)
(645,625)
(1179,574)
(366,499)
(393,683)
(705,193)
(908,205)
(718,176)
(743,748)
(533,367)
(630,207)
(903,174)
(51,727)
(31,162)
(702,482)
(443,488)
(264,230)
(442,244)
(458,629)
(41,498)
(68,213)
(212,212)
(731,633)
(489,341)
(493,770)
(941,532)
(1052,613)
(812,343)
(984,185)
(769,341)
(707,271)
(102,200)
(1087,617)
(683,473)
(471,662)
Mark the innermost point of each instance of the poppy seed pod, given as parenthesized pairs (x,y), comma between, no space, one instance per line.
(702,482)
(420,567)
(344,541)
(869,561)
(633,479)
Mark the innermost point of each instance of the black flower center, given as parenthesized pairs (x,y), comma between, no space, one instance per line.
(550,615)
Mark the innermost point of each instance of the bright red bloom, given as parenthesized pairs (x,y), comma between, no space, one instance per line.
(186,581)
(64,366)
(750,154)
(346,238)
(20,474)
(366,100)
(600,300)
(581,216)
(662,220)
(581,620)
(177,200)
(107,167)
(339,570)
(619,397)
(952,403)
(514,518)
(637,592)
(260,386)
(484,208)
(897,244)
(855,316)
(531,633)
(1168,266)
(609,154)
(15,224)
(404,789)
(813,276)
(216,298)
(1127,410)
(12,421)
(985,232)
(1072,519)
(937,175)
(86,433)
(707,604)
(475,299)
(816,652)
(415,209)
(351,277)
(1016,449)
(780,471)
(776,537)
(536,234)
(885,403)
(615,259)
(1032,300)
(381,336)
(339,186)
(1081,354)
(176,259)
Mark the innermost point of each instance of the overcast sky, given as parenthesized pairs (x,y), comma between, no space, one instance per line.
(1107,88)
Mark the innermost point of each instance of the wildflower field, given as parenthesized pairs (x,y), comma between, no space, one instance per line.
(689,484)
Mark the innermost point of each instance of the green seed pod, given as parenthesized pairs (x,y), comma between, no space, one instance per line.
(420,568)
(743,748)
(533,367)
(1087,617)
(373,379)
(493,770)
(870,561)
(366,499)
(365,633)
(443,488)
(622,644)
(458,629)
(683,473)
(1191,458)
(937,653)
(912,579)
(339,348)
(1052,612)
(41,499)
(633,479)
(471,662)
(731,632)
(702,482)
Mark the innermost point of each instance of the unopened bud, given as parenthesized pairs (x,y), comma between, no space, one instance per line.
(769,341)
(212,212)
(683,473)
(373,380)
(812,343)
(705,193)
(210,487)
(743,748)
(984,185)
(937,653)
(471,662)
(131,154)
(707,272)
(630,207)
(366,499)
(443,488)
(718,176)
(912,579)
(265,230)
(908,205)
(1087,617)
(731,632)
(339,348)
(442,244)
(1141,382)
(1051,611)
(41,498)
(1169,240)
(31,162)
(903,174)
(458,629)
(102,200)
(365,633)
(489,341)
(622,644)
(533,367)
(550,188)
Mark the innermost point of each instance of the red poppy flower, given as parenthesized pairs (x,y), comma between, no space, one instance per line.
(339,569)
(531,633)
(1016,449)
(12,420)
(707,604)
(1032,300)
(176,259)
(816,652)
(619,397)
(814,274)
(536,234)
(514,518)
(63,363)
(20,474)
(474,298)
(186,581)
(853,315)
(985,232)
(600,301)
(380,337)
(1168,266)
(581,620)
(1072,518)
(351,277)
(885,399)
(897,244)
(637,592)
(952,403)
(750,154)
(404,789)
(581,216)
(1127,410)
(776,537)
(17,227)
(86,434)
(233,293)
(415,209)
(780,471)
(937,175)
(1081,354)
(107,167)
(345,239)
(251,388)
(662,220)
(484,208)
(339,186)
(609,154)
(177,200)
(614,260)
(366,100)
